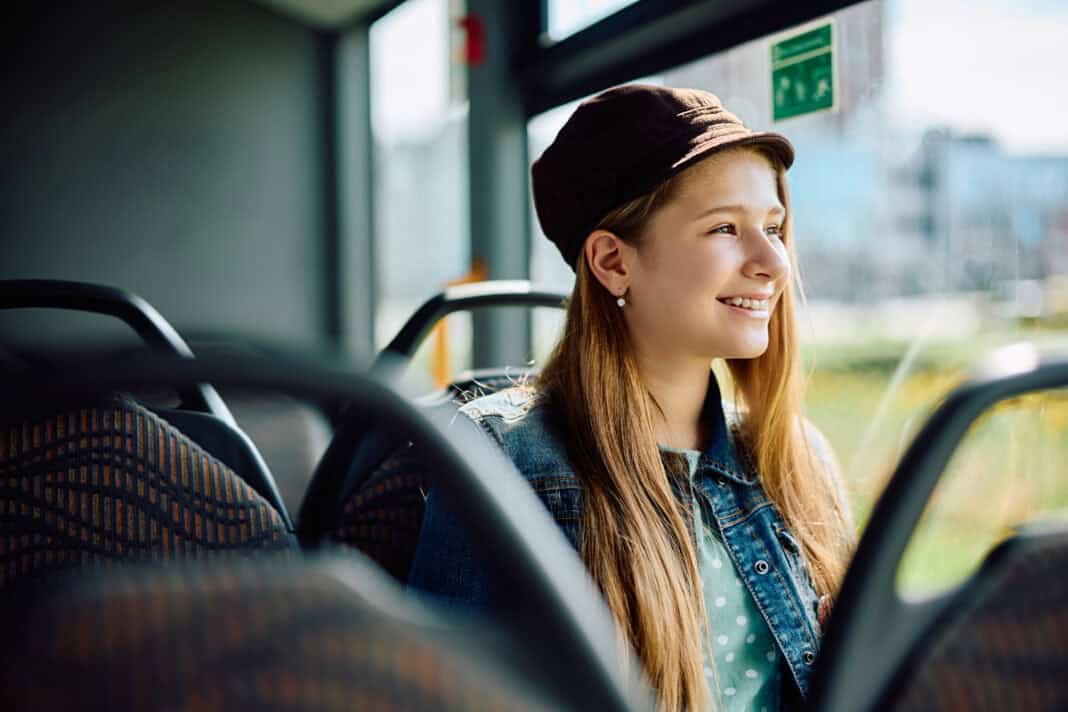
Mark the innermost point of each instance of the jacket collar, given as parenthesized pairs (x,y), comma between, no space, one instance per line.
(722,454)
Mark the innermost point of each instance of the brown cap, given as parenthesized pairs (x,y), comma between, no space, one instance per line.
(623,143)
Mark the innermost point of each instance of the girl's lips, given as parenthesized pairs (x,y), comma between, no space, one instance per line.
(751,301)
(751,313)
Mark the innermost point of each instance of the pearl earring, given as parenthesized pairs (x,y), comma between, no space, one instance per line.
(621,302)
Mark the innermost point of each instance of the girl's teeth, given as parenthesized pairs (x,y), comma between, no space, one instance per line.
(748,303)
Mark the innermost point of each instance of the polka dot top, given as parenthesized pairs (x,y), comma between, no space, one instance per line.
(744,663)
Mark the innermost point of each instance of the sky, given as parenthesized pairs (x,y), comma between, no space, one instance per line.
(991,66)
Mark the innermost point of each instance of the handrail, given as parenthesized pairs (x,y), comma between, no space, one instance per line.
(131,309)
(492,293)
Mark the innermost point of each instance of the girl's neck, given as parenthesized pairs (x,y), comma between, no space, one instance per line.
(679,386)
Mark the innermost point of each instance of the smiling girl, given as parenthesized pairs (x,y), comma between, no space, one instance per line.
(716,530)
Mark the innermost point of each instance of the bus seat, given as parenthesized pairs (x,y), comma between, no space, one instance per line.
(346,500)
(247,455)
(290,435)
(113,482)
(317,633)
(216,431)
(1005,643)
(235,448)
(383,514)
(383,497)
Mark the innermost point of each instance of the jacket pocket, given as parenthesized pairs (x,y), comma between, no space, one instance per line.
(787,540)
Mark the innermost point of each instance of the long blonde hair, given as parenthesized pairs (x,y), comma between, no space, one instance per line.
(635,539)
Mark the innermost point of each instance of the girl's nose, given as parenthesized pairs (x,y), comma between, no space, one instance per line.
(767,257)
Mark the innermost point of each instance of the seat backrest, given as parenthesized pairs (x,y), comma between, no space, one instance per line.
(112,482)
(291,435)
(383,514)
(324,633)
(210,423)
(1004,645)
(385,488)
(234,448)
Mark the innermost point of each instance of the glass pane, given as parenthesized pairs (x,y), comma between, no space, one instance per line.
(566,17)
(419,122)
(443,355)
(929,208)
(1010,470)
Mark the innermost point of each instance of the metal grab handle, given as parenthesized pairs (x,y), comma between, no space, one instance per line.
(131,309)
(493,293)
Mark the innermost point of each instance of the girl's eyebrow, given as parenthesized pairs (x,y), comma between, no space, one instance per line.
(777,209)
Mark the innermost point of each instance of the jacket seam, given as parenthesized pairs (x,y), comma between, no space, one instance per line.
(565,482)
(732,518)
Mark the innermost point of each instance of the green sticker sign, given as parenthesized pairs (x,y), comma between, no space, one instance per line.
(802,72)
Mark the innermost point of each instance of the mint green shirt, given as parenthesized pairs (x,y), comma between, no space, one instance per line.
(745,659)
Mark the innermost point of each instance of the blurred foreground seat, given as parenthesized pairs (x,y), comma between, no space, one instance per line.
(324,633)
(1005,647)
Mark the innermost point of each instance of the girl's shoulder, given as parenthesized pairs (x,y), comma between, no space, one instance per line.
(526,426)
(508,404)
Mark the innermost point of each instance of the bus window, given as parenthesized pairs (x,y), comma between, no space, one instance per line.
(419,124)
(928,207)
(566,17)
(1008,472)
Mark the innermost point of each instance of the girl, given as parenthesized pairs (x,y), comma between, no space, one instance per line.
(716,533)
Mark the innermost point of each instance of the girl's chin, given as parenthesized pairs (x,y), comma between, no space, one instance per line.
(745,352)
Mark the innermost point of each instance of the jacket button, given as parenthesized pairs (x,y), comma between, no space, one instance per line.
(762,567)
(809,657)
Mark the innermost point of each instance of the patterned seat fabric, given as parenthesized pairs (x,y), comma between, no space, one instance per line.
(383,515)
(115,483)
(1008,649)
(313,634)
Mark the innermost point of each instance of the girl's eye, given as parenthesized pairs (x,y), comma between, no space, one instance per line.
(727,229)
(775,230)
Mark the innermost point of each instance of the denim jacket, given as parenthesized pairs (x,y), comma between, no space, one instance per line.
(765,554)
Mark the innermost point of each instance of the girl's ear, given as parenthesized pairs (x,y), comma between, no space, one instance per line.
(606,256)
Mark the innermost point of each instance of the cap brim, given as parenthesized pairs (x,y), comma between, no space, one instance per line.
(706,145)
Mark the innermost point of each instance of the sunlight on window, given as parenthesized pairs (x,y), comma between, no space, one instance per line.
(419,122)
(566,17)
(1011,470)
(928,230)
